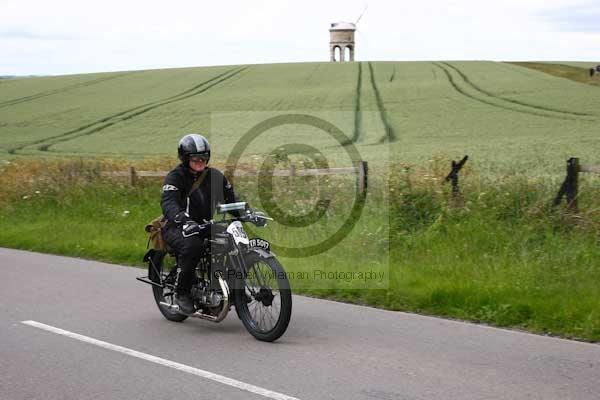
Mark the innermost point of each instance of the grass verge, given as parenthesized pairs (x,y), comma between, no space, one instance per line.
(499,254)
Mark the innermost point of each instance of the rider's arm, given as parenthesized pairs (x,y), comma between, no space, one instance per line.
(172,201)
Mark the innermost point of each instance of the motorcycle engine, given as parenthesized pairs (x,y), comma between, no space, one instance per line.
(206,296)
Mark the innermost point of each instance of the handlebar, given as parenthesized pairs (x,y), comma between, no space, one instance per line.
(250,216)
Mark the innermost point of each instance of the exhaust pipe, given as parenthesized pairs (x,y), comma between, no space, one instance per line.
(173,307)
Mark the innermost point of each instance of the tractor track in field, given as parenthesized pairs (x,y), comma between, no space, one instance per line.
(393,74)
(522,103)
(357,134)
(40,95)
(130,113)
(537,112)
(390,135)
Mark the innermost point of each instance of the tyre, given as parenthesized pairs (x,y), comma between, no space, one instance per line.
(163,272)
(263,299)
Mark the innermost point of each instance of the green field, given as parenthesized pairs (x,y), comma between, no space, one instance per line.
(499,254)
(504,116)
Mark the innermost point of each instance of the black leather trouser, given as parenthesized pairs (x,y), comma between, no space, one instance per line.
(188,250)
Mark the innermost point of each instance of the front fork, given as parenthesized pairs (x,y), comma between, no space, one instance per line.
(241,272)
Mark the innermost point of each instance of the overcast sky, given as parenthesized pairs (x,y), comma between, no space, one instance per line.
(63,36)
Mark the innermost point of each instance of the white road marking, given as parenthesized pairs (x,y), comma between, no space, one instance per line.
(167,363)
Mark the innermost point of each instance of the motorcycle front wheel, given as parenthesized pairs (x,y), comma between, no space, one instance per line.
(263,299)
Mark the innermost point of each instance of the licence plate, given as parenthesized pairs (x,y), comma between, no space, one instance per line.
(260,243)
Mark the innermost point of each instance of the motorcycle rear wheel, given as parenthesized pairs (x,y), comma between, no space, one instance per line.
(263,299)
(160,274)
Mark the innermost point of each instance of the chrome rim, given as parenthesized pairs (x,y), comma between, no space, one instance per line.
(168,292)
(263,292)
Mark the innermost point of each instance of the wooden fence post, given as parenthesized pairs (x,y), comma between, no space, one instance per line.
(569,187)
(453,175)
(292,176)
(572,183)
(132,176)
(362,183)
(454,178)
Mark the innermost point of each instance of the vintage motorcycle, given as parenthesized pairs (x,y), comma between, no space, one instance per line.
(233,271)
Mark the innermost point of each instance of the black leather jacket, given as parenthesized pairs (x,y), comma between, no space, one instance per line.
(202,202)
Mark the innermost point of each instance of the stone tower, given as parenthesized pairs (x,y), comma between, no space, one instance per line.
(341,37)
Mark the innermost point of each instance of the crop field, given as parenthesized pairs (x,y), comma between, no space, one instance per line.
(499,253)
(506,117)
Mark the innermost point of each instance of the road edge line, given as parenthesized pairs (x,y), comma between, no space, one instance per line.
(161,361)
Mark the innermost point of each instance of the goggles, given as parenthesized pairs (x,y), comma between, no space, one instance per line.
(196,158)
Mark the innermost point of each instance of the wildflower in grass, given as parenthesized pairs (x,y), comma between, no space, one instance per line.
(125,213)
(25,197)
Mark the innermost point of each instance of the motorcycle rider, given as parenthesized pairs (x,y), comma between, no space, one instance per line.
(185,211)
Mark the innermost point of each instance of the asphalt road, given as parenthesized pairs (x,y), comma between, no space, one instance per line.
(330,351)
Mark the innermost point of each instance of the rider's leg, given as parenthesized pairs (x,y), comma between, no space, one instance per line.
(189,251)
(189,254)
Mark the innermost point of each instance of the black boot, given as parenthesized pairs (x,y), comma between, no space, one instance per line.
(185,303)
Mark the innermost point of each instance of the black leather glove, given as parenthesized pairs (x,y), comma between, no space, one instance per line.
(181,218)
(191,228)
(258,220)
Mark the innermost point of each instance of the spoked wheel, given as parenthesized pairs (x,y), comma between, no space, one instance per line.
(263,299)
(163,273)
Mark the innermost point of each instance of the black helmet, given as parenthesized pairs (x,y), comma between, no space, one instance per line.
(193,144)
